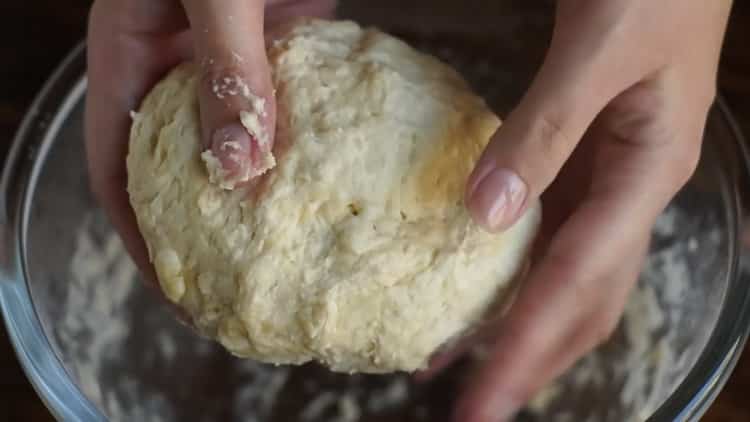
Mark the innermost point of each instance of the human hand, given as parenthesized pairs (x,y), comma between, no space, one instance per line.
(134,43)
(609,131)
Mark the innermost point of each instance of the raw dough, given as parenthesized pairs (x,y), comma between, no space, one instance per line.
(356,251)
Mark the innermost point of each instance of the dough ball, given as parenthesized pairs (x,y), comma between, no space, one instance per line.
(356,250)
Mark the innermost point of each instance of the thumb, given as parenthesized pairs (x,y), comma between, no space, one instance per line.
(574,84)
(236,95)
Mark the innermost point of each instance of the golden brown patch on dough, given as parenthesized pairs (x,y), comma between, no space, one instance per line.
(442,175)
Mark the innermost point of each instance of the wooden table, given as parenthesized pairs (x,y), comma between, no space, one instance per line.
(35,35)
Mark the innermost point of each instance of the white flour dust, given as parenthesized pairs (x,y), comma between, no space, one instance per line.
(125,351)
(95,328)
(654,346)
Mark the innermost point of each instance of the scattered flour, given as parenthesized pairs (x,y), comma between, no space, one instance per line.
(317,407)
(652,349)
(124,349)
(94,329)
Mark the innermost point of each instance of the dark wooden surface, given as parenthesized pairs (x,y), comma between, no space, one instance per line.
(36,34)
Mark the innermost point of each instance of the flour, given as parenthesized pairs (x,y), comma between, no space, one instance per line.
(136,363)
(229,86)
(650,354)
(95,328)
(317,407)
(391,396)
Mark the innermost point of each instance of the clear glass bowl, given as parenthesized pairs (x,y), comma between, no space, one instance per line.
(96,344)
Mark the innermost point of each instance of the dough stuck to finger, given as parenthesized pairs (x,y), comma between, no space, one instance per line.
(357,251)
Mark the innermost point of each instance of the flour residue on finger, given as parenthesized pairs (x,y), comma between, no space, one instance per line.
(230,162)
(261,155)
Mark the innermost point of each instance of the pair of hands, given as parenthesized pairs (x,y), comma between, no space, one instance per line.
(608,132)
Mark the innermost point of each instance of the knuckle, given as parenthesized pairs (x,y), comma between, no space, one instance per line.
(684,166)
(574,276)
(686,143)
(544,146)
(222,82)
(599,313)
(230,85)
(707,95)
(548,131)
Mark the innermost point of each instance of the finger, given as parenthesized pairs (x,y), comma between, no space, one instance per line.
(446,358)
(573,299)
(577,79)
(552,339)
(236,95)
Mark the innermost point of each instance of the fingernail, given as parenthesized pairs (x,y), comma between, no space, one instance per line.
(231,145)
(499,409)
(497,199)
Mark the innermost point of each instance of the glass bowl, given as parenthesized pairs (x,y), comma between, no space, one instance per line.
(98,345)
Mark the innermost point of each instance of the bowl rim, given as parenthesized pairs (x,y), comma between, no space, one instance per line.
(697,391)
(57,389)
(41,364)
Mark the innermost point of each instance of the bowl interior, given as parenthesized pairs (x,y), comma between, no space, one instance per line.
(134,362)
